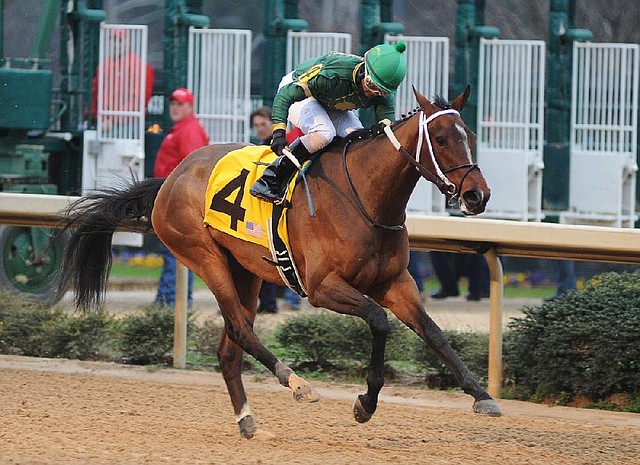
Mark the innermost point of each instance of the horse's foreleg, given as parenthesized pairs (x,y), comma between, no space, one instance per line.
(335,294)
(403,299)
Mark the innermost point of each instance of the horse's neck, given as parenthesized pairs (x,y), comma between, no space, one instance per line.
(382,176)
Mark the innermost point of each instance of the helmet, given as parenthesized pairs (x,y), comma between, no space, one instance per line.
(386,66)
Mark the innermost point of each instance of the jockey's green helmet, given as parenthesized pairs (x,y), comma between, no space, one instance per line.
(385,65)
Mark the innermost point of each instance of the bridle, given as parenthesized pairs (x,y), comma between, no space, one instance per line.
(439,178)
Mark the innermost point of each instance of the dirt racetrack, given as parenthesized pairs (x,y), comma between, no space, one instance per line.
(70,412)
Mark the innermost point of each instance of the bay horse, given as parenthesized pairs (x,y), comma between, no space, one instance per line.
(352,255)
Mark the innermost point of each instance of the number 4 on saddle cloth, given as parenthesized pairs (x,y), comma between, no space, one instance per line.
(231,209)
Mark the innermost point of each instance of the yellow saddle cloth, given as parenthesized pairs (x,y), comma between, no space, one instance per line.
(230,208)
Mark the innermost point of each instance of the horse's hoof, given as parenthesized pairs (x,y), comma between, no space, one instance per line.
(248,427)
(302,390)
(359,413)
(487,407)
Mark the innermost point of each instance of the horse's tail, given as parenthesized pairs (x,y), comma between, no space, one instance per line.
(93,219)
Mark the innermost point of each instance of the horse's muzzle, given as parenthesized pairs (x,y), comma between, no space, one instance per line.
(473,201)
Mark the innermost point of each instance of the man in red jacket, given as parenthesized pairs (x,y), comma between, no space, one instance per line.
(186,135)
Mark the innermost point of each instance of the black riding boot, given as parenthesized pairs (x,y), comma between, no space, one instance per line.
(272,185)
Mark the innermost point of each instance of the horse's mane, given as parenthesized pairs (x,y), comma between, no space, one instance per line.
(377,129)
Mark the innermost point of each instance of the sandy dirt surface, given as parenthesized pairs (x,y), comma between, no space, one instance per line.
(71,412)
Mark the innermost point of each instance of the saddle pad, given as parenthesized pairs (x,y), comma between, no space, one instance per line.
(230,208)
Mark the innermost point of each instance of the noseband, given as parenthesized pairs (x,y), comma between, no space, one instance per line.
(439,178)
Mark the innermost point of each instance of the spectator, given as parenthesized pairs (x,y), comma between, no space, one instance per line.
(414,269)
(186,135)
(121,70)
(565,277)
(262,125)
(449,267)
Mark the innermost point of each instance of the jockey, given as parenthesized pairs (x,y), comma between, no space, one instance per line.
(319,97)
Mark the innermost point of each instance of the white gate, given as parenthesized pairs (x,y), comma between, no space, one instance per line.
(428,70)
(510,128)
(115,150)
(604,124)
(304,45)
(219,75)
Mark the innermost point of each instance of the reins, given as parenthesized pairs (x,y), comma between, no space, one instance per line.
(441,181)
(395,227)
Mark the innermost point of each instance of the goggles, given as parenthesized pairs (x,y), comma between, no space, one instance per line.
(373,87)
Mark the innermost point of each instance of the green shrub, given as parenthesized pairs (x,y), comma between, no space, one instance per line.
(207,338)
(34,329)
(584,343)
(80,335)
(325,339)
(473,349)
(146,338)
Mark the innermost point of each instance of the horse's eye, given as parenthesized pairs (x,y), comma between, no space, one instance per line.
(441,141)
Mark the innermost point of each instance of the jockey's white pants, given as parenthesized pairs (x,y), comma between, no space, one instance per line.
(318,124)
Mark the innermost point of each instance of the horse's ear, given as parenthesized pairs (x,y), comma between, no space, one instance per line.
(428,107)
(461,99)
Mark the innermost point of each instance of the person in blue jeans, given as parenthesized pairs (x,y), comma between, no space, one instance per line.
(415,270)
(291,299)
(565,277)
(166,295)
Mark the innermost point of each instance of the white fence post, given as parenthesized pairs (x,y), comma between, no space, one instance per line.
(604,125)
(303,45)
(510,135)
(219,75)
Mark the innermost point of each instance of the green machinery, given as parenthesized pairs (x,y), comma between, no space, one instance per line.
(41,129)
(38,154)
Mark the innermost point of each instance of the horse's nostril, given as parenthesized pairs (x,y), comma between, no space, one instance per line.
(472,197)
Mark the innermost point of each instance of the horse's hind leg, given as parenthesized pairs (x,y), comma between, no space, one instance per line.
(236,291)
(337,295)
(230,358)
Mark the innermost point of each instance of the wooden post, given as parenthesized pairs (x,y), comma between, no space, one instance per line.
(180,322)
(496,292)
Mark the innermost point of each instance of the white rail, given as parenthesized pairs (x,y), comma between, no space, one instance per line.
(466,235)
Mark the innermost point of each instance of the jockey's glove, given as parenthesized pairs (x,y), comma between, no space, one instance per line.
(278,141)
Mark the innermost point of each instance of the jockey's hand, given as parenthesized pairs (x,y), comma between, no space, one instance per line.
(279,141)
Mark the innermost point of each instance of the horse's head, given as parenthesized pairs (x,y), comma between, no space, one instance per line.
(448,153)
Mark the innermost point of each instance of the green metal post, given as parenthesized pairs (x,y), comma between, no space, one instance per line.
(276,24)
(81,27)
(179,16)
(470,28)
(375,21)
(1,32)
(562,34)
(45,30)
